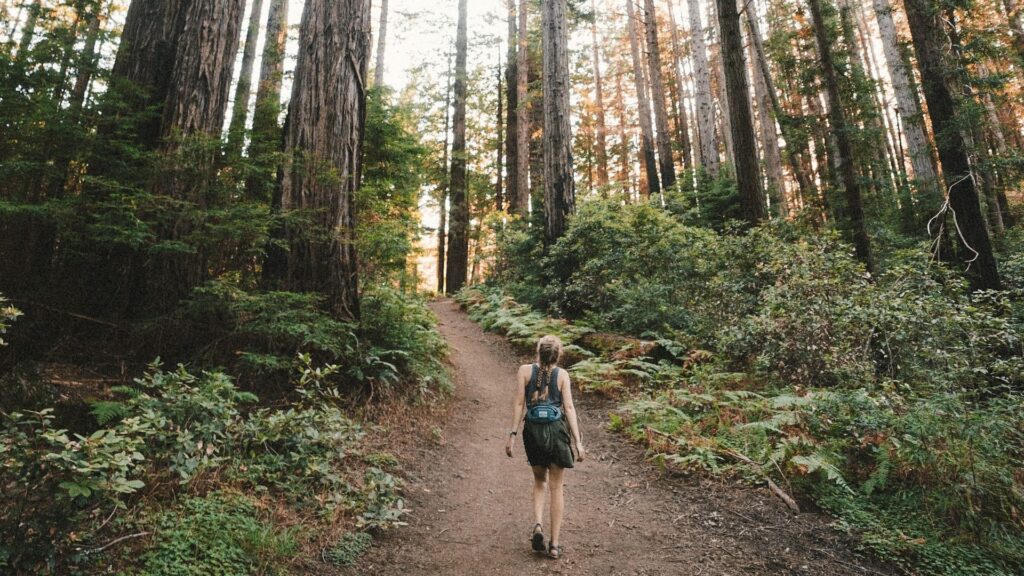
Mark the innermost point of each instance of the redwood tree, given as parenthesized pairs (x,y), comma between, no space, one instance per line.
(323,150)
(751,195)
(931,46)
(841,133)
(458,215)
(559,189)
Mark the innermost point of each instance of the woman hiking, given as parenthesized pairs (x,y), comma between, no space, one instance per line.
(543,401)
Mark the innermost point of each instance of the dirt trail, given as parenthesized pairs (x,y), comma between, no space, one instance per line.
(471,506)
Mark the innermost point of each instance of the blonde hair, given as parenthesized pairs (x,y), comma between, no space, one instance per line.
(549,351)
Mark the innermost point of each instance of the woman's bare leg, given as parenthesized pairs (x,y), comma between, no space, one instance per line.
(557,502)
(540,480)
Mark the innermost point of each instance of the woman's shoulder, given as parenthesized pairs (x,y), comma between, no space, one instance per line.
(526,369)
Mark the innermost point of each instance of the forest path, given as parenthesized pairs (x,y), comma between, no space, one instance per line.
(470,503)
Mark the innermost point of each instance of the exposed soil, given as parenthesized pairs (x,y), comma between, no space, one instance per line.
(470,504)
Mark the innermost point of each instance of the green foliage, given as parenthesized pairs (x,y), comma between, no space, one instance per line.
(892,400)
(394,348)
(193,427)
(221,533)
(351,546)
(8,314)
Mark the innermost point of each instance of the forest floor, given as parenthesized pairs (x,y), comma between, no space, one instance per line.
(471,512)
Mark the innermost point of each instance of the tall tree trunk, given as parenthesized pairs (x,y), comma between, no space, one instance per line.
(145,56)
(382,36)
(998,201)
(1015,15)
(196,105)
(624,163)
(86,64)
(841,132)
(442,228)
(909,112)
(458,217)
(666,166)
(795,146)
(512,113)
(718,65)
(240,111)
(265,138)
(559,188)
(931,41)
(748,173)
(677,66)
(643,105)
(600,131)
(323,150)
(498,200)
(28,30)
(520,200)
(705,105)
(771,157)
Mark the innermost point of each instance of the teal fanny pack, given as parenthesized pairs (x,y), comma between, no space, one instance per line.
(543,414)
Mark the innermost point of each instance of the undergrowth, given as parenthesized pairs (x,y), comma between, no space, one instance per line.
(178,434)
(894,402)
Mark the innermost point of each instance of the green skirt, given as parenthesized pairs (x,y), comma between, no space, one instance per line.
(548,444)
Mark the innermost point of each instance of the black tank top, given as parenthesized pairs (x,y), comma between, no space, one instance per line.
(554,394)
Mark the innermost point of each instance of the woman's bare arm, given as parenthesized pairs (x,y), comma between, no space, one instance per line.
(565,386)
(518,405)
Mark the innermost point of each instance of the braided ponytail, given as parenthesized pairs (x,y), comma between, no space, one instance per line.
(549,350)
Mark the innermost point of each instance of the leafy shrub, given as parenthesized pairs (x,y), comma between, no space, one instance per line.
(192,417)
(8,314)
(194,427)
(892,401)
(394,345)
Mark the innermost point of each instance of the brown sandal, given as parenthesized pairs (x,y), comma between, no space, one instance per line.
(554,551)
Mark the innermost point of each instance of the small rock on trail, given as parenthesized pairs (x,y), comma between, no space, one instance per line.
(471,509)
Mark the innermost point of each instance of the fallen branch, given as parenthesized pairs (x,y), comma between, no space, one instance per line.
(771,484)
(785,497)
(116,540)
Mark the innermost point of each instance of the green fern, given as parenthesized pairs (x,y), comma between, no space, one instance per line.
(820,461)
(106,411)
